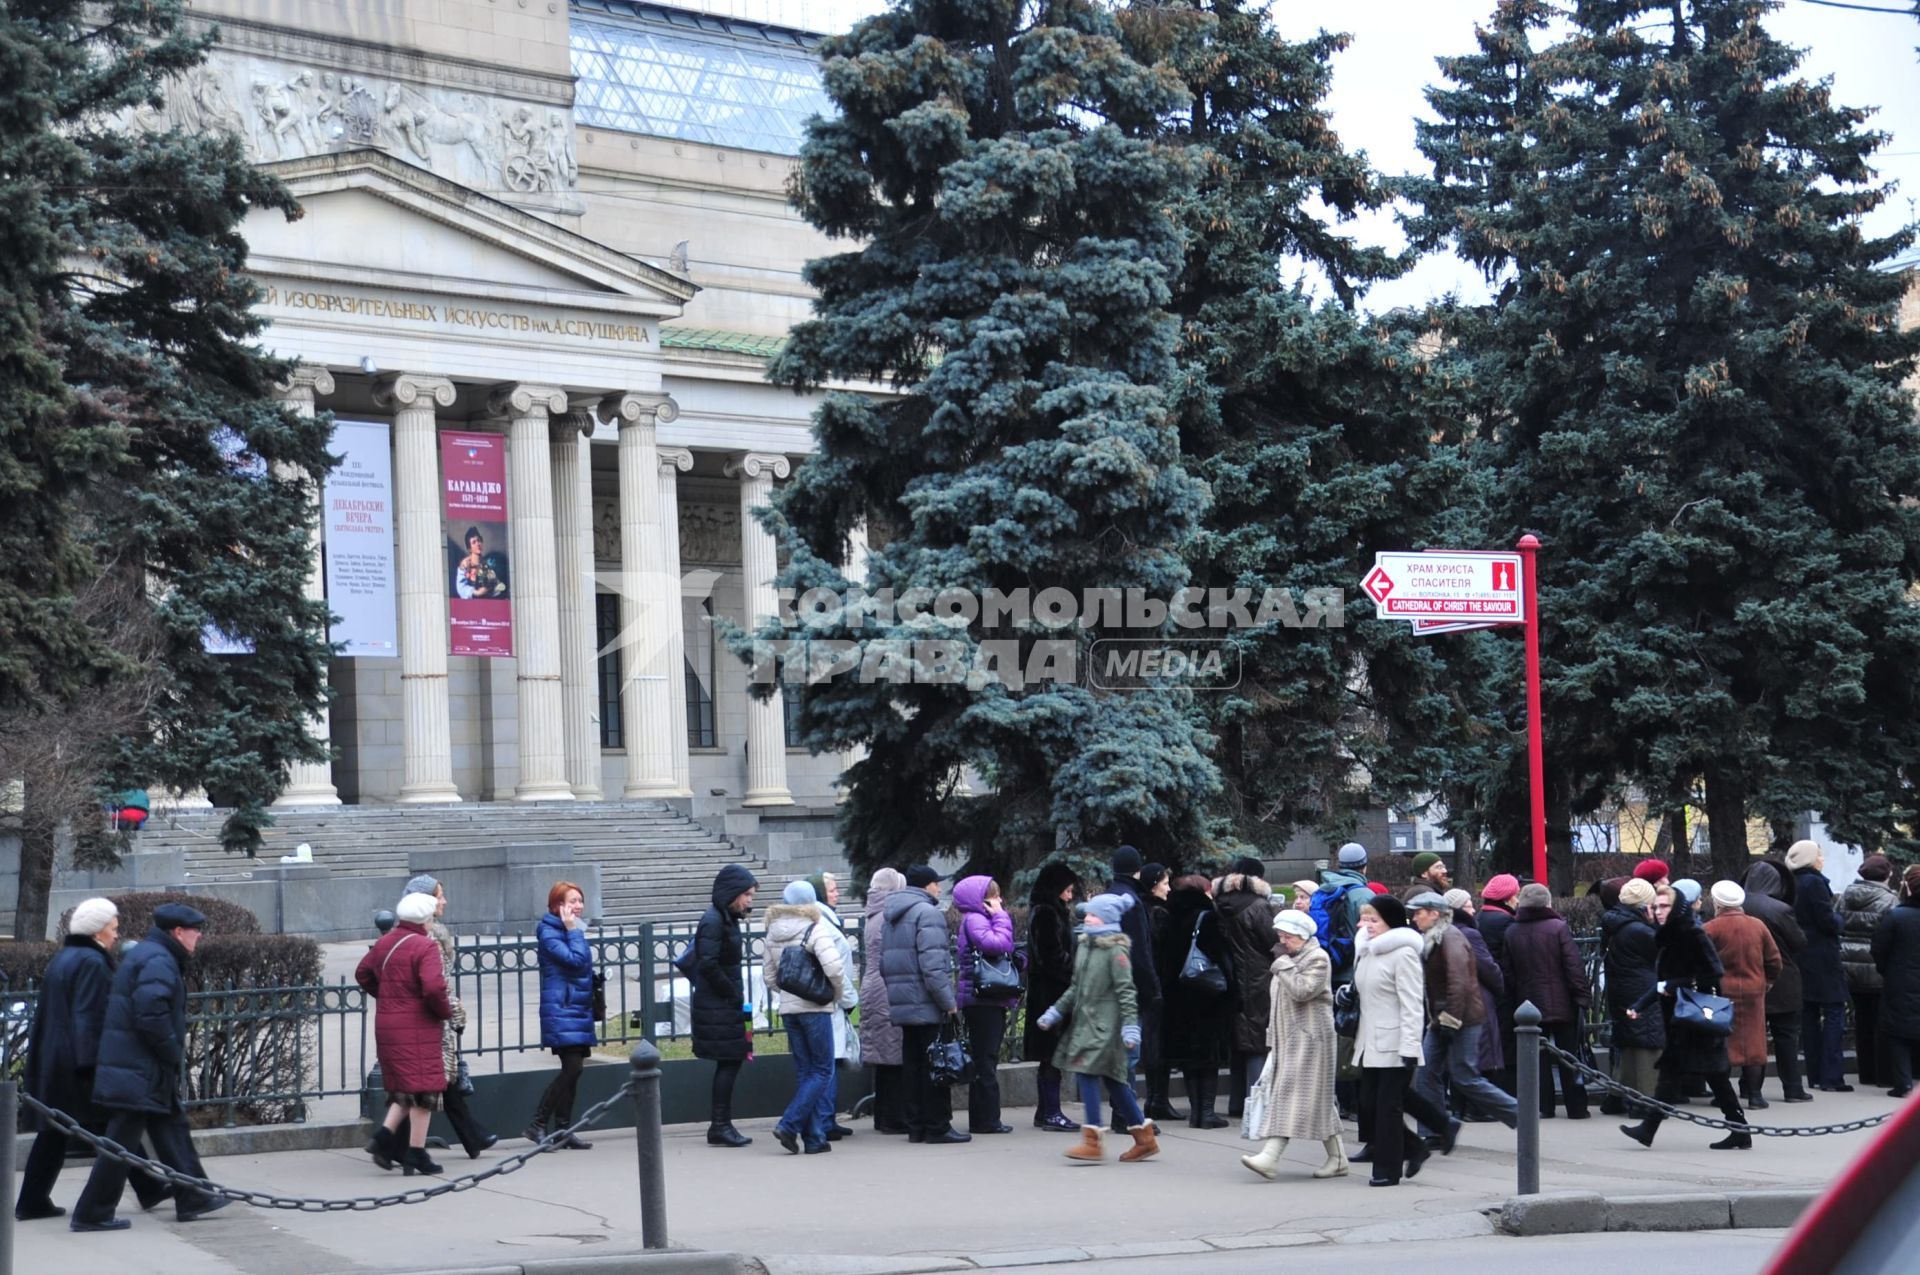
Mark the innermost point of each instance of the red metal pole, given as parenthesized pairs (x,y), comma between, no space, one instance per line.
(1536,764)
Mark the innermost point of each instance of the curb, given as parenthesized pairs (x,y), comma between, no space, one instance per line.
(1574,1212)
(260,1139)
(669,1262)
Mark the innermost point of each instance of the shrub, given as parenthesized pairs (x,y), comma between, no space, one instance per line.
(1581,912)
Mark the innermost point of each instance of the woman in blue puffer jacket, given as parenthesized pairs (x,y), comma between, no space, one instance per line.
(567,1025)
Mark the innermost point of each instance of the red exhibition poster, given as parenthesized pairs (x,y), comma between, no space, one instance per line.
(473,478)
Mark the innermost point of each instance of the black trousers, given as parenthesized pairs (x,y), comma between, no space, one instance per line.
(1242,1070)
(1386,1096)
(889,1098)
(1573,1090)
(986,1032)
(43,1166)
(725,1072)
(556,1104)
(929,1105)
(1673,1083)
(172,1146)
(1866,1038)
(472,1134)
(1900,1053)
(1785,1028)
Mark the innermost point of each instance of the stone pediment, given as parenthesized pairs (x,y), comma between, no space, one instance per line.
(372,216)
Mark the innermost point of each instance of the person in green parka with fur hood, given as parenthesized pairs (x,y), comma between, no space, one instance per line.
(1104,1026)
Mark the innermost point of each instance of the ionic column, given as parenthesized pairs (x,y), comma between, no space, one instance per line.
(579,635)
(675,461)
(426,749)
(759,562)
(646,698)
(536,607)
(310,783)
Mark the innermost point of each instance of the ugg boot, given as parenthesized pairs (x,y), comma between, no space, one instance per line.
(1336,1165)
(1266,1161)
(1144,1144)
(1088,1148)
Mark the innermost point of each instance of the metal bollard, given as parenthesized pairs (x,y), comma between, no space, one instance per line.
(1526,1039)
(652,1152)
(9,1123)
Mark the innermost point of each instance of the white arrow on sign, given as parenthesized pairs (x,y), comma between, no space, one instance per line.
(1457,585)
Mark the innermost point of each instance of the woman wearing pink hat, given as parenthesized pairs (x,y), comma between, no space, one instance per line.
(1496,915)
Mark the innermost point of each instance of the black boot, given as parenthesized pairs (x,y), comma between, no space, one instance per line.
(721,1132)
(383,1147)
(1159,1106)
(1752,1079)
(416,1161)
(1202,1086)
(1643,1132)
(1737,1139)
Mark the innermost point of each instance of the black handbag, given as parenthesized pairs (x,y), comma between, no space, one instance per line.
(1201,975)
(799,973)
(1346,1010)
(1703,1011)
(949,1062)
(994,979)
(599,997)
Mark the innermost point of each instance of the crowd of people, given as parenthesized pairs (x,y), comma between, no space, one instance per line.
(1330,1000)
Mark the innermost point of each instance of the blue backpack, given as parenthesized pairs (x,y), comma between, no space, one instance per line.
(1334,924)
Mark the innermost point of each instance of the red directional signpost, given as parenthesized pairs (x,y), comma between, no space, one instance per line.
(1455,590)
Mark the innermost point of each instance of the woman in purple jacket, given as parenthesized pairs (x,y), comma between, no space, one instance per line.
(985,928)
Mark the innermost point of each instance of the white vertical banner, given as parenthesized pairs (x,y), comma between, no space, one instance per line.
(358,508)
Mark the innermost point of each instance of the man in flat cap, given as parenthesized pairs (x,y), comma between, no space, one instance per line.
(137,1078)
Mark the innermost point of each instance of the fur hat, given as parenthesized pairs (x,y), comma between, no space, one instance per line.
(417,908)
(1295,922)
(1651,870)
(799,893)
(1801,854)
(1535,895)
(1423,861)
(1728,895)
(1501,888)
(1353,855)
(92,916)
(1390,910)
(1152,874)
(1637,893)
(1248,866)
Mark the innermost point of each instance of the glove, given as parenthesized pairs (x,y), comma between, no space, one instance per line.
(1449,1022)
(1049,1020)
(1130,1035)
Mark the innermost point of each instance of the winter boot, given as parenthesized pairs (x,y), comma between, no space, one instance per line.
(1752,1080)
(1643,1132)
(1737,1139)
(1144,1144)
(1266,1161)
(721,1133)
(1159,1107)
(416,1161)
(1202,1085)
(1336,1165)
(1088,1148)
(384,1147)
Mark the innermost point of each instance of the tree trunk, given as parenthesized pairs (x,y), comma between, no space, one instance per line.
(1727,820)
(38,825)
(1785,833)
(1680,842)
(1560,867)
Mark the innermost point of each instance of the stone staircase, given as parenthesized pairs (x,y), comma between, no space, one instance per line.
(656,864)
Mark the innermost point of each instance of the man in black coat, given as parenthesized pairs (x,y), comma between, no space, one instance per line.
(137,1073)
(1127,863)
(717,1004)
(1823,980)
(62,1047)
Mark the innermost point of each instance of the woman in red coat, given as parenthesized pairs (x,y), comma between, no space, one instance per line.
(405,974)
(1752,962)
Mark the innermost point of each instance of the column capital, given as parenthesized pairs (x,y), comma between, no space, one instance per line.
(675,460)
(756,464)
(629,407)
(576,421)
(307,382)
(520,399)
(408,389)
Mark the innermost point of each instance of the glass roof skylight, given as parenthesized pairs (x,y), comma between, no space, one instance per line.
(671,73)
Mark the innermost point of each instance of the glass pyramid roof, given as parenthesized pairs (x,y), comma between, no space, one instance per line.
(644,68)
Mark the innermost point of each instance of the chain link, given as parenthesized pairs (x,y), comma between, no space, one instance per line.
(1665,1110)
(307,1204)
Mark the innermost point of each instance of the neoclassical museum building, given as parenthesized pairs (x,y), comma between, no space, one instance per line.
(546,256)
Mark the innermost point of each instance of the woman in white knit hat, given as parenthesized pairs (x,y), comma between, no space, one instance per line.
(1301,1045)
(62,1045)
(1752,961)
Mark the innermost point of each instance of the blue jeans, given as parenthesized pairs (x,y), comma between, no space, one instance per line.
(1121,1096)
(810,1037)
(1451,1055)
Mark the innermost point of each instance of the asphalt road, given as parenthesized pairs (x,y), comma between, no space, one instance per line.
(1701,1253)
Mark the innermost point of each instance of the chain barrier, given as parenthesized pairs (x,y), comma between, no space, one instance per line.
(1593,1074)
(306,1204)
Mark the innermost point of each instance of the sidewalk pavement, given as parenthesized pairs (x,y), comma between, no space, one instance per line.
(877,1204)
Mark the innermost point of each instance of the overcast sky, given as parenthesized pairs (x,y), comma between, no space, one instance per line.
(1378,81)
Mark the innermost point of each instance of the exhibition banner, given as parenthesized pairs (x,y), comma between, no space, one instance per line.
(473,479)
(357,504)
